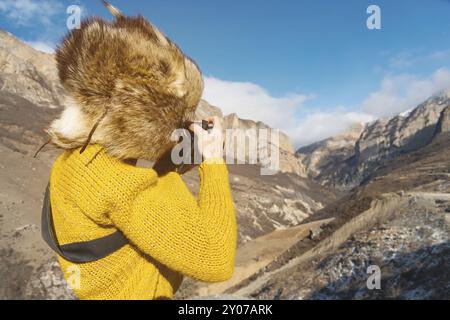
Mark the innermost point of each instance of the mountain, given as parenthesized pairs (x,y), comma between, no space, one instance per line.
(346,160)
(253,256)
(394,216)
(30,94)
(397,220)
(288,161)
(324,157)
(443,126)
(268,203)
(30,97)
(28,73)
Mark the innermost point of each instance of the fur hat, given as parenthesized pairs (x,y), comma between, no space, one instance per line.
(130,87)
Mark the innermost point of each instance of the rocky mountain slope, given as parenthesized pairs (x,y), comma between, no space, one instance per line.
(28,73)
(364,151)
(398,220)
(443,125)
(330,154)
(30,97)
(268,203)
(407,237)
(30,94)
(253,256)
(288,162)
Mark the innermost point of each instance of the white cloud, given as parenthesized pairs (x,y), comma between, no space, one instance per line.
(27,12)
(42,46)
(402,92)
(321,125)
(397,94)
(409,58)
(41,16)
(250,101)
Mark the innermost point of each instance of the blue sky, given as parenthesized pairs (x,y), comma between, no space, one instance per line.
(311,68)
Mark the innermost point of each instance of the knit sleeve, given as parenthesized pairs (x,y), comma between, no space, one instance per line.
(194,237)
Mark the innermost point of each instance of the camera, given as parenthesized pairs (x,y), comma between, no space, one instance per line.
(164,164)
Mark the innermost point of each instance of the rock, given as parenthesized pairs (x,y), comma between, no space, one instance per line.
(205,110)
(413,260)
(323,157)
(50,282)
(443,125)
(288,162)
(314,233)
(346,160)
(28,73)
(27,227)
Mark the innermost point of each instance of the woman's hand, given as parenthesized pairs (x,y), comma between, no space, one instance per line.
(210,143)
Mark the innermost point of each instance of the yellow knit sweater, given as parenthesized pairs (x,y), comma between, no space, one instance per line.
(171,234)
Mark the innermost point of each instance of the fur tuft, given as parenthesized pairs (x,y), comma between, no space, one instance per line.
(130,70)
(113,10)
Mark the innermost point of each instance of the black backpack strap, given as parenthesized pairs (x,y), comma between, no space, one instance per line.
(80,252)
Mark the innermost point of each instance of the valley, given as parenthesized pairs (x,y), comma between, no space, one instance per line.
(377,194)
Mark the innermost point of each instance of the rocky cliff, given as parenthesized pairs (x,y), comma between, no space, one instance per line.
(443,126)
(326,156)
(288,161)
(398,221)
(405,237)
(28,73)
(364,151)
(30,94)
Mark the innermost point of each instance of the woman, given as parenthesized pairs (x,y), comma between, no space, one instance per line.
(130,88)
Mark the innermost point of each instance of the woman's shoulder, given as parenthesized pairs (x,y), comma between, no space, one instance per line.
(96,166)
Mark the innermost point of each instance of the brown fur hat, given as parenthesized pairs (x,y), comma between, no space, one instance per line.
(130,87)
